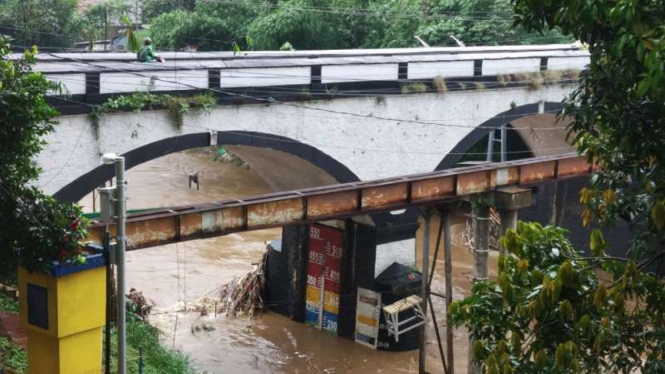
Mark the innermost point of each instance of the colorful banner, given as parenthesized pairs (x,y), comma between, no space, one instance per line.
(323,277)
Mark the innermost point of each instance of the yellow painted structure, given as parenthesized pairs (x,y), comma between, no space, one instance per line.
(65,331)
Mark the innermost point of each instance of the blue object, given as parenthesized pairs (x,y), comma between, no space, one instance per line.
(92,261)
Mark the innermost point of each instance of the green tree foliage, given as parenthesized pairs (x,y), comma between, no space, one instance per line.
(50,23)
(98,18)
(180,28)
(153,8)
(36,229)
(330,24)
(548,313)
(551,314)
(618,110)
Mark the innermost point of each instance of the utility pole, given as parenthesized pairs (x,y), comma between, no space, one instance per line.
(424,291)
(121,216)
(447,248)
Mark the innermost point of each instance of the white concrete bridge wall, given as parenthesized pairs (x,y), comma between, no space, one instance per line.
(371,148)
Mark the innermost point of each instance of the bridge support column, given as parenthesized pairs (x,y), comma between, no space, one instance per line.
(509,201)
(481,240)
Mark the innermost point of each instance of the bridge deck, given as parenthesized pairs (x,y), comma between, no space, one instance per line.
(339,201)
(90,75)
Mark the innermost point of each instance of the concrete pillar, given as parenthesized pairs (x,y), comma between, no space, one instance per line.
(481,240)
(509,201)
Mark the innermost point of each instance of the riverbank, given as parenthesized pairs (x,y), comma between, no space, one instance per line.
(157,359)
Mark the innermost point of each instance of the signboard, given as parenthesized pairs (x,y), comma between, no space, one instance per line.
(323,277)
(368,312)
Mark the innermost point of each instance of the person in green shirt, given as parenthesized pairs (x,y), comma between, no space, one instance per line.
(147,54)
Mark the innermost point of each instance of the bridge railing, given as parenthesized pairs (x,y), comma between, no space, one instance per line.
(112,74)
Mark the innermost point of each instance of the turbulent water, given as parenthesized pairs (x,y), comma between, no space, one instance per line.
(174,277)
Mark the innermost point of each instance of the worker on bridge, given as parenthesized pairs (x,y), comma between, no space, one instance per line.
(147,54)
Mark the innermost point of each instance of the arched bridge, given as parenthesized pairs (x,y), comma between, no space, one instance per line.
(356,115)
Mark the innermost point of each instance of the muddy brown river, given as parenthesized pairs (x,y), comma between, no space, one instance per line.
(174,277)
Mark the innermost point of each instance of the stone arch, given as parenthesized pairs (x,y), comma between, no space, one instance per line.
(77,189)
(495,122)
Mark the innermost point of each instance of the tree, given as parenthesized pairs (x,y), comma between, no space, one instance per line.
(618,110)
(178,29)
(36,230)
(618,122)
(99,18)
(48,23)
(549,313)
(153,8)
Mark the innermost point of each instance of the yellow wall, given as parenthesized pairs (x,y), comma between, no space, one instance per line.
(76,315)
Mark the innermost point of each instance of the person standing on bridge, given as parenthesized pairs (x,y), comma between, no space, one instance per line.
(147,54)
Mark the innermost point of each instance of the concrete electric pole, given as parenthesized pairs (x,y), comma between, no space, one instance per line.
(120,218)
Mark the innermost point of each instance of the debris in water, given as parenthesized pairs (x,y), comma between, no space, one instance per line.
(138,304)
(241,296)
(495,231)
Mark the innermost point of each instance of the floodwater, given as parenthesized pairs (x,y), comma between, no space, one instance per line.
(174,277)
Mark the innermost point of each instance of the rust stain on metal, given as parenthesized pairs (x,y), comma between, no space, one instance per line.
(432,188)
(278,212)
(233,218)
(573,166)
(505,177)
(161,226)
(190,224)
(151,232)
(223,219)
(384,195)
(473,182)
(96,234)
(329,204)
(537,172)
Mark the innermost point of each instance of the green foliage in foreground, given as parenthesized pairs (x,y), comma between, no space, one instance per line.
(36,229)
(8,305)
(618,111)
(156,358)
(549,313)
(12,357)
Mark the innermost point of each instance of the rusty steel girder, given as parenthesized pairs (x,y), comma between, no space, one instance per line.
(339,201)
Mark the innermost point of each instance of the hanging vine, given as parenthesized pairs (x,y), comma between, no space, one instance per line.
(177,106)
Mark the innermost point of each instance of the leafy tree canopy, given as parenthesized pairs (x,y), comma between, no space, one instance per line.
(549,313)
(51,23)
(36,229)
(330,24)
(618,110)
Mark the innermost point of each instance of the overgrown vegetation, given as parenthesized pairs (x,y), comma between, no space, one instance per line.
(415,87)
(156,358)
(536,80)
(271,24)
(440,85)
(8,304)
(177,106)
(549,313)
(36,229)
(12,357)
